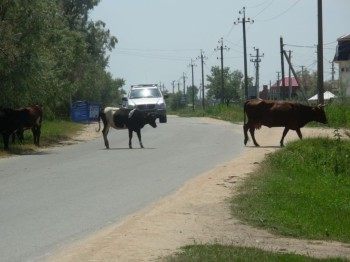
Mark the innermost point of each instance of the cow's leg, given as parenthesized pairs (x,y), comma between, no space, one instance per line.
(285,131)
(138,132)
(20,135)
(299,133)
(252,133)
(130,138)
(36,134)
(6,139)
(245,131)
(13,137)
(105,133)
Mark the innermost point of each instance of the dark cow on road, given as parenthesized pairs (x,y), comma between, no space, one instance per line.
(120,118)
(17,120)
(279,114)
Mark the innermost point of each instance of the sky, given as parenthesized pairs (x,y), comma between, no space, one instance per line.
(158,39)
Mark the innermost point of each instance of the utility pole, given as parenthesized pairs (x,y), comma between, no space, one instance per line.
(202,57)
(296,77)
(320,54)
(173,83)
(184,80)
(192,65)
(278,85)
(222,48)
(290,77)
(333,72)
(282,68)
(256,62)
(243,21)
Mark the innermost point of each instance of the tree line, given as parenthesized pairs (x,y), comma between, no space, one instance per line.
(51,53)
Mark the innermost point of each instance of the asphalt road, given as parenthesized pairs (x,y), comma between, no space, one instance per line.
(53,198)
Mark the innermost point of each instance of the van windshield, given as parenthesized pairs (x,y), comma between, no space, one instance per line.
(144,93)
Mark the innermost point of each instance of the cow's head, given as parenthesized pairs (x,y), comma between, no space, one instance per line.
(320,115)
(151,119)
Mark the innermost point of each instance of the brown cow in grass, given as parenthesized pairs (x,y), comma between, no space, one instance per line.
(285,114)
(17,120)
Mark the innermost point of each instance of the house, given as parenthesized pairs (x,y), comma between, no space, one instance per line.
(342,58)
(277,91)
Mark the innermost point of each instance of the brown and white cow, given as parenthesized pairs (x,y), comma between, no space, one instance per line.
(121,118)
(285,114)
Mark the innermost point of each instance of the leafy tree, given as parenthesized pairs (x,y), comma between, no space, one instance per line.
(232,84)
(51,53)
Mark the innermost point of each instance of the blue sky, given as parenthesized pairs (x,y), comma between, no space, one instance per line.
(158,38)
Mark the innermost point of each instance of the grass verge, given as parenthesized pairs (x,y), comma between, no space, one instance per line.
(302,191)
(221,253)
(51,133)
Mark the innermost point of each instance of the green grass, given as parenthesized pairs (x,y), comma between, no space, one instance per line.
(221,253)
(301,191)
(231,113)
(51,133)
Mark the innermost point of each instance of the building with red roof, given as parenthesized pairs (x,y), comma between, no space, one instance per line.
(278,92)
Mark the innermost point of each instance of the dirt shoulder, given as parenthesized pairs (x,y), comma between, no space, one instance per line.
(199,213)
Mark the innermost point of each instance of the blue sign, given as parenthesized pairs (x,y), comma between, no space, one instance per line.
(94,112)
(82,111)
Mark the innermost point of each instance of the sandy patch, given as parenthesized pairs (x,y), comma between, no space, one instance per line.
(199,213)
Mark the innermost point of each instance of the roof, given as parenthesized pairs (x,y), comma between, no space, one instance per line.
(344,38)
(286,82)
(326,95)
(343,49)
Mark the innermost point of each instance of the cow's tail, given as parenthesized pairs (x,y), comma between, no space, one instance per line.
(99,119)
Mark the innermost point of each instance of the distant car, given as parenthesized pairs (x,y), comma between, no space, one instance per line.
(147,98)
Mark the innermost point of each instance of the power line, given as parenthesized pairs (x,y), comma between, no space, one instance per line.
(277,16)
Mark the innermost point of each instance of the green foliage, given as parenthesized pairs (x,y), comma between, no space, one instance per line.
(51,53)
(232,113)
(338,113)
(232,84)
(301,191)
(220,253)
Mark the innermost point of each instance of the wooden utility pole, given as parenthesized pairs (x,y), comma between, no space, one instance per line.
(282,68)
(202,67)
(295,76)
(222,48)
(320,54)
(184,80)
(192,65)
(256,62)
(290,77)
(243,21)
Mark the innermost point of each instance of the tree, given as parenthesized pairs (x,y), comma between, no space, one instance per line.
(232,84)
(51,53)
